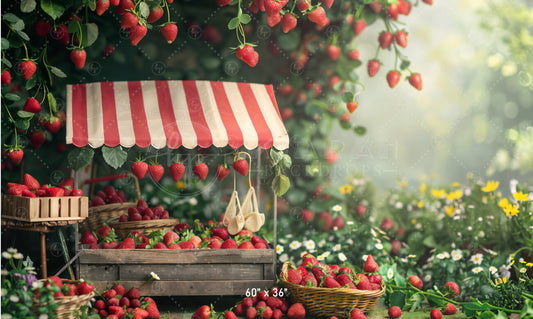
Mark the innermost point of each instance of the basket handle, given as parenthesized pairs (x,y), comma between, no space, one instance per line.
(115,177)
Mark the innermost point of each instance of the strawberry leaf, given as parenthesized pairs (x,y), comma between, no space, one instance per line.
(347,97)
(52,8)
(80,157)
(233,23)
(245,18)
(27,6)
(58,72)
(114,156)
(144,10)
(52,101)
(24,114)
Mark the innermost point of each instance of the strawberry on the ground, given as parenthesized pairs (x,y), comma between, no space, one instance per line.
(6,77)
(200,170)
(247,54)
(265,312)
(371,265)
(395,312)
(139,169)
(153,312)
(170,32)
(85,287)
(393,77)
(416,281)
(136,33)
(401,38)
(203,312)
(435,314)
(385,39)
(221,171)
(32,106)
(133,293)
(27,68)
(121,291)
(78,57)
(274,302)
(241,166)
(15,155)
(373,67)
(288,22)
(451,309)
(100,304)
(124,301)
(117,311)
(110,293)
(359,26)
(156,171)
(31,182)
(296,311)
(357,313)
(139,313)
(416,81)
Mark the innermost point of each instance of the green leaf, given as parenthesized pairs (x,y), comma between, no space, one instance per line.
(22,35)
(52,101)
(22,124)
(286,162)
(414,302)
(7,63)
(144,10)
(52,8)
(114,156)
(74,26)
(89,33)
(289,41)
(58,72)
(405,64)
(281,184)
(5,44)
(369,15)
(397,298)
(11,18)
(359,130)
(153,4)
(27,6)
(276,156)
(18,26)
(245,18)
(80,157)
(31,83)
(12,96)
(429,241)
(92,5)
(233,23)
(347,97)
(345,125)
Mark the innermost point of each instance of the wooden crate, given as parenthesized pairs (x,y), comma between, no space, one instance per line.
(40,209)
(187,272)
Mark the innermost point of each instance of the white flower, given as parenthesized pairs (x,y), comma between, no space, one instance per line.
(337,247)
(322,243)
(446,254)
(477,259)
(323,256)
(336,208)
(154,276)
(493,270)
(6,255)
(288,236)
(349,241)
(279,249)
(427,277)
(457,254)
(482,233)
(365,257)
(441,256)
(37,284)
(193,201)
(379,246)
(390,273)
(477,270)
(5,272)
(309,244)
(411,256)
(43,316)
(18,256)
(6,316)
(12,250)
(14,298)
(350,222)
(342,257)
(4,292)
(295,245)
(469,228)
(523,270)
(283,258)
(398,205)
(373,232)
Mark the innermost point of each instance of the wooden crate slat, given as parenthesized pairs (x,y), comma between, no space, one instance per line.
(100,272)
(44,208)
(185,272)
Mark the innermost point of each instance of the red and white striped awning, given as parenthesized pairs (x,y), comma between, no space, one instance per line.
(174,114)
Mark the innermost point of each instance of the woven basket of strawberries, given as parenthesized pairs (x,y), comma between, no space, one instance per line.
(108,203)
(330,290)
(69,295)
(143,219)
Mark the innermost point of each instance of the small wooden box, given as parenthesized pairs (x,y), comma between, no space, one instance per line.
(185,272)
(39,209)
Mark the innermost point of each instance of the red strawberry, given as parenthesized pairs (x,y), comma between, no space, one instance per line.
(404,7)
(27,69)
(241,166)
(170,32)
(247,302)
(129,20)
(274,6)
(61,34)
(330,282)
(416,281)
(393,11)
(37,138)
(203,312)
(116,311)
(125,5)
(52,125)
(56,281)
(277,314)
(155,15)
(265,312)
(222,3)
(200,170)
(294,276)
(333,52)
(371,265)
(133,293)
(108,294)
(31,182)
(78,56)
(351,106)
(288,22)
(327,3)
(110,245)
(160,245)
(221,171)
(28,193)
(85,288)
(359,26)
(153,312)
(296,311)
(344,280)
(127,243)
(102,6)
(88,238)
(318,16)
(229,244)
(375,279)
(139,313)
(450,309)
(121,291)
(55,192)
(186,245)
(273,19)
(156,171)
(176,171)
(393,77)
(373,67)
(230,315)
(302,5)
(169,237)
(41,28)
(401,38)
(385,39)
(6,77)
(395,312)
(136,33)
(357,313)
(416,81)
(435,314)
(100,304)
(450,285)
(220,232)
(247,54)
(307,215)
(430,2)
(139,169)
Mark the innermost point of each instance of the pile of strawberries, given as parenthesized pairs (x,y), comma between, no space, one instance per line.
(65,289)
(108,195)
(32,188)
(117,302)
(143,212)
(313,273)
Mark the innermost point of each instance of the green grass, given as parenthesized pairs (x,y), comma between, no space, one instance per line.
(380,312)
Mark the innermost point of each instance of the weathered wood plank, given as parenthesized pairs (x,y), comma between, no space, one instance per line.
(179,256)
(191,288)
(201,272)
(99,272)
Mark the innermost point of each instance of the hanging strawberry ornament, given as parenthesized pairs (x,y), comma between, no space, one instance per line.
(240,165)
(177,170)
(139,168)
(222,171)
(200,170)
(156,170)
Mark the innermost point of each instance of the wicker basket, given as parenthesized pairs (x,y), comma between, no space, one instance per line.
(101,215)
(331,301)
(65,305)
(145,227)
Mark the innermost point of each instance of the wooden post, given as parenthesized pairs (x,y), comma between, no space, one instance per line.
(43,255)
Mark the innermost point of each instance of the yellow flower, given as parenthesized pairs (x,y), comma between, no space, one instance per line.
(484,199)
(491,186)
(449,210)
(520,196)
(420,204)
(439,193)
(455,195)
(180,185)
(511,210)
(503,202)
(413,221)
(268,206)
(498,281)
(403,184)
(422,188)
(346,189)
(456,185)
(529,265)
